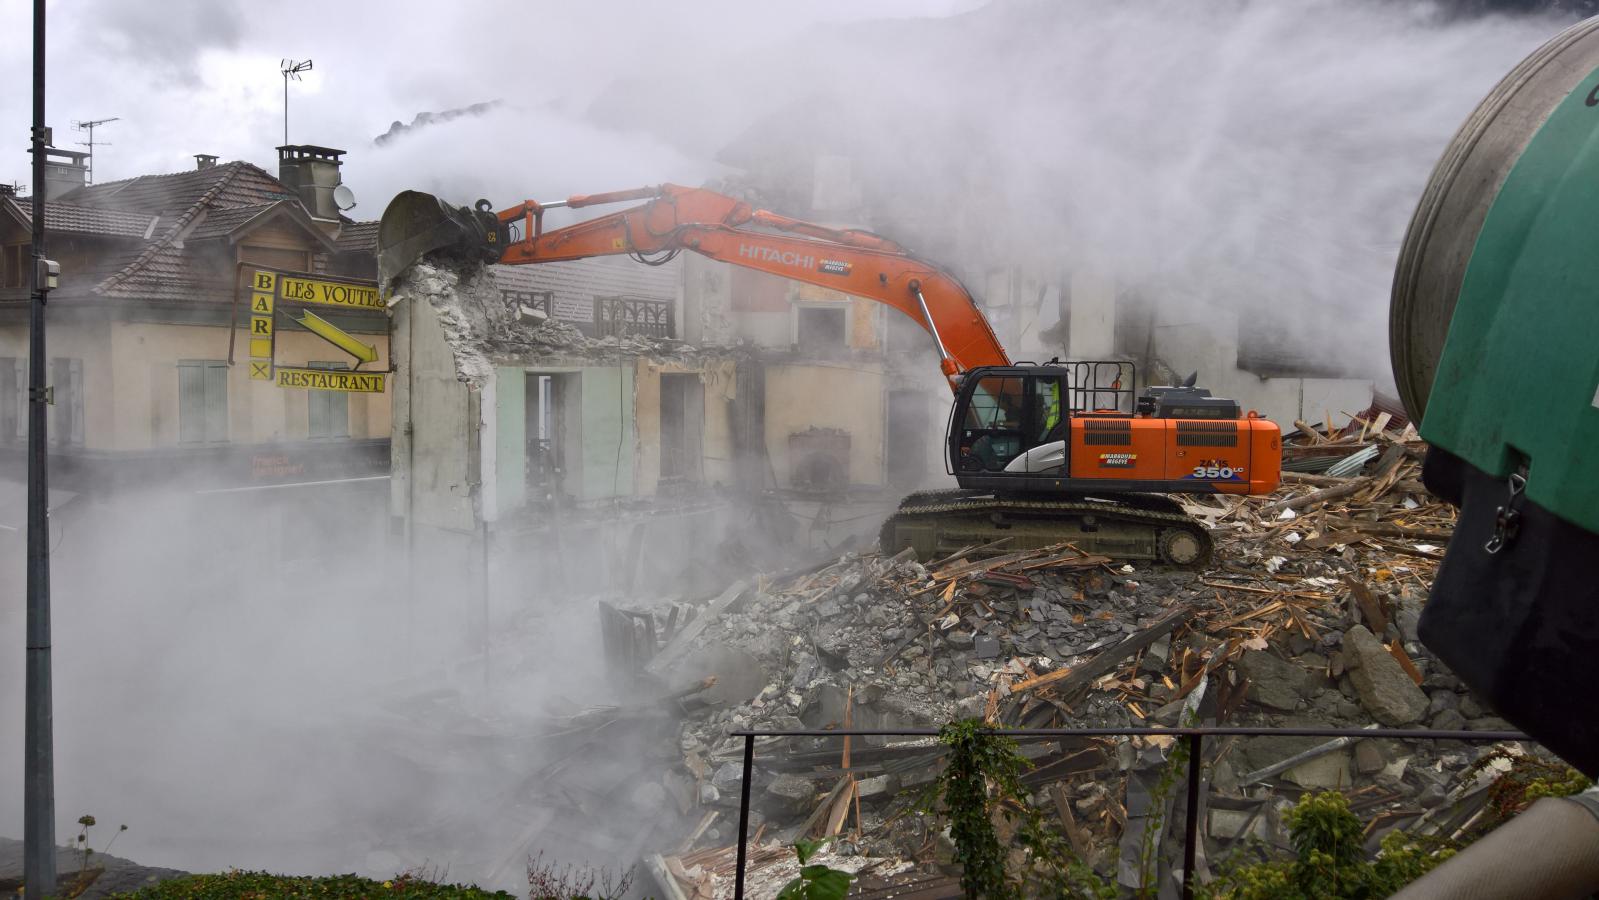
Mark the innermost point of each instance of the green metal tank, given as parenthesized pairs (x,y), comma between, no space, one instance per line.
(1494,326)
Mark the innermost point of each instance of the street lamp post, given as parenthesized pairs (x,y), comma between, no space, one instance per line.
(39,804)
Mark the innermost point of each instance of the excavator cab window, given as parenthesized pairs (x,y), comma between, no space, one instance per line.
(994,429)
(1049,421)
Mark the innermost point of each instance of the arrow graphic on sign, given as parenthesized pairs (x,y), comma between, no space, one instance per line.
(338,337)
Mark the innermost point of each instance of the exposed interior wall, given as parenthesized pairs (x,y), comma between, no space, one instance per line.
(718,381)
(609,438)
(1091,323)
(721,390)
(817,395)
(707,302)
(510,413)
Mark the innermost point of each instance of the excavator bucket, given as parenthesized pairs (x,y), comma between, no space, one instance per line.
(416,224)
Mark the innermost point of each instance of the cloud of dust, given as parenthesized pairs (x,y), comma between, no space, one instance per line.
(1255,159)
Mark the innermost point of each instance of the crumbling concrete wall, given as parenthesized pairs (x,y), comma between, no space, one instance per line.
(432,479)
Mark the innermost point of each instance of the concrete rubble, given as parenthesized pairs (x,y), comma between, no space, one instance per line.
(482,325)
(1305,620)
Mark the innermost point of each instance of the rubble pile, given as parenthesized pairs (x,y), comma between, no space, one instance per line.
(1306,618)
(481,323)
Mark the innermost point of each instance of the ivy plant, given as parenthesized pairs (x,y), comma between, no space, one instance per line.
(815,882)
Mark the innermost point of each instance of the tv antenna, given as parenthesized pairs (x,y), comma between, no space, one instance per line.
(290,69)
(89,126)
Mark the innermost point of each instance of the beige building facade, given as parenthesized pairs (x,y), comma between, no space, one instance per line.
(148,331)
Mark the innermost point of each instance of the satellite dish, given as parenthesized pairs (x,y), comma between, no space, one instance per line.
(343,197)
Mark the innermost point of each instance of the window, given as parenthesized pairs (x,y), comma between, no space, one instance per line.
(13,266)
(554,442)
(996,404)
(820,327)
(991,433)
(682,411)
(66,417)
(329,410)
(202,401)
(1048,424)
(13,399)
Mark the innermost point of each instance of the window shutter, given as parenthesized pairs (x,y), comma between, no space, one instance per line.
(338,413)
(191,403)
(317,406)
(74,435)
(216,402)
(59,413)
(329,410)
(20,399)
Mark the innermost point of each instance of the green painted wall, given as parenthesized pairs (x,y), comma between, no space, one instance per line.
(510,470)
(608,433)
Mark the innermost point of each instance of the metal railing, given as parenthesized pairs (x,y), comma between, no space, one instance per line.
(1194,737)
(630,315)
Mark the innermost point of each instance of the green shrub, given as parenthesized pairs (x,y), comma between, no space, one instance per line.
(1330,860)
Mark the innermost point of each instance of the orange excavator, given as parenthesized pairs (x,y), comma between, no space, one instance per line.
(1043,453)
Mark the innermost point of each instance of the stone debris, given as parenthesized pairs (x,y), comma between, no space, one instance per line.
(482,325)
(1305,619)
(1383,685)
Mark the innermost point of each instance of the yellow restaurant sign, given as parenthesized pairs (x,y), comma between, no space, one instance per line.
(293,289)
(330,380)
(329,293)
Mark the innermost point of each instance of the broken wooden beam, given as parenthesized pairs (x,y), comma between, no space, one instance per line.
(1376,619)
(687,636)
(1354,486)
(1067,680)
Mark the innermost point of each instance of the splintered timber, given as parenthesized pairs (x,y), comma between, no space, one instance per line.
(330,380)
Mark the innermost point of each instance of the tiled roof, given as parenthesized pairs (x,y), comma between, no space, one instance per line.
(185,210)
(226,184)
(358,237)
(220,222)
(66,218)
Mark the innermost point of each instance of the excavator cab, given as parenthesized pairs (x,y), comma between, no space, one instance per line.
(1016,418)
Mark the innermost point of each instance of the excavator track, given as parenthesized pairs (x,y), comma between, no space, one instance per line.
(1134,527)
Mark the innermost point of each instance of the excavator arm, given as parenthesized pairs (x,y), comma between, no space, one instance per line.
(675,218)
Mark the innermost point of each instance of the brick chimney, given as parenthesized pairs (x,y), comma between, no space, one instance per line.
(203,161)
(312,173)
(64,170)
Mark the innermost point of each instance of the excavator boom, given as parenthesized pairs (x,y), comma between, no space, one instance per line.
(675,218)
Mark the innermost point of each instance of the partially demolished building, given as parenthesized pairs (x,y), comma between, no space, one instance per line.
(605,424)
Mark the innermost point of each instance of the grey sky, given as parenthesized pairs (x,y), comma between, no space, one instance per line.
(201,76)
(1252,155)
